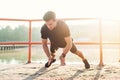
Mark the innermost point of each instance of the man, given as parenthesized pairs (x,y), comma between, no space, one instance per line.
(59,35)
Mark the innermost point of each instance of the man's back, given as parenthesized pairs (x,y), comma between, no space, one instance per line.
(56,35)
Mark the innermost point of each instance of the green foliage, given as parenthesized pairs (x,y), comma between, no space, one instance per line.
(20,33)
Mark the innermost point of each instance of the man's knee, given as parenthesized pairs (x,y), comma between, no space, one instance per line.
(73,49)
(74,52)
(53,49)
(77,52)
(53,54)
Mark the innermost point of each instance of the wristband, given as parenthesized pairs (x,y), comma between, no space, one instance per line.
(63,55)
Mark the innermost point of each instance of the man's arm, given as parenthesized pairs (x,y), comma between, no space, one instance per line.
(68,46)
(68,40)
(45,47)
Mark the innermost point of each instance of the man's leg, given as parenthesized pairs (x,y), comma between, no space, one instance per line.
(73,50)
(53,55)
(79,53)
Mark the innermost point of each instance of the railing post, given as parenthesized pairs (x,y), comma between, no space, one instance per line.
(30,36)
(119,57)
(101,45)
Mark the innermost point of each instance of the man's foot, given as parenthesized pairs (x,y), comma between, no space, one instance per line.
(62,59)
(87,65)
(48,64)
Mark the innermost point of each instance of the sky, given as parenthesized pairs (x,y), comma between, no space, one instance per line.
(35,9)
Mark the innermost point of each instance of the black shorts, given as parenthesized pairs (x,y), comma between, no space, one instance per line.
(54,48)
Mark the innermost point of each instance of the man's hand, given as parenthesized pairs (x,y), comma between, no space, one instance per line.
(62,59)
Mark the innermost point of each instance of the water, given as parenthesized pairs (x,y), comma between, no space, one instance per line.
(111,54)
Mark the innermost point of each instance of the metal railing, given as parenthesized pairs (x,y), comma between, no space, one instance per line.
(30,43)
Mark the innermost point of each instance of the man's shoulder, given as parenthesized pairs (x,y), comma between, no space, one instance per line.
(43,27)
(60,21)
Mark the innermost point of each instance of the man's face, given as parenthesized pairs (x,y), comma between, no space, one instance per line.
(51,24)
